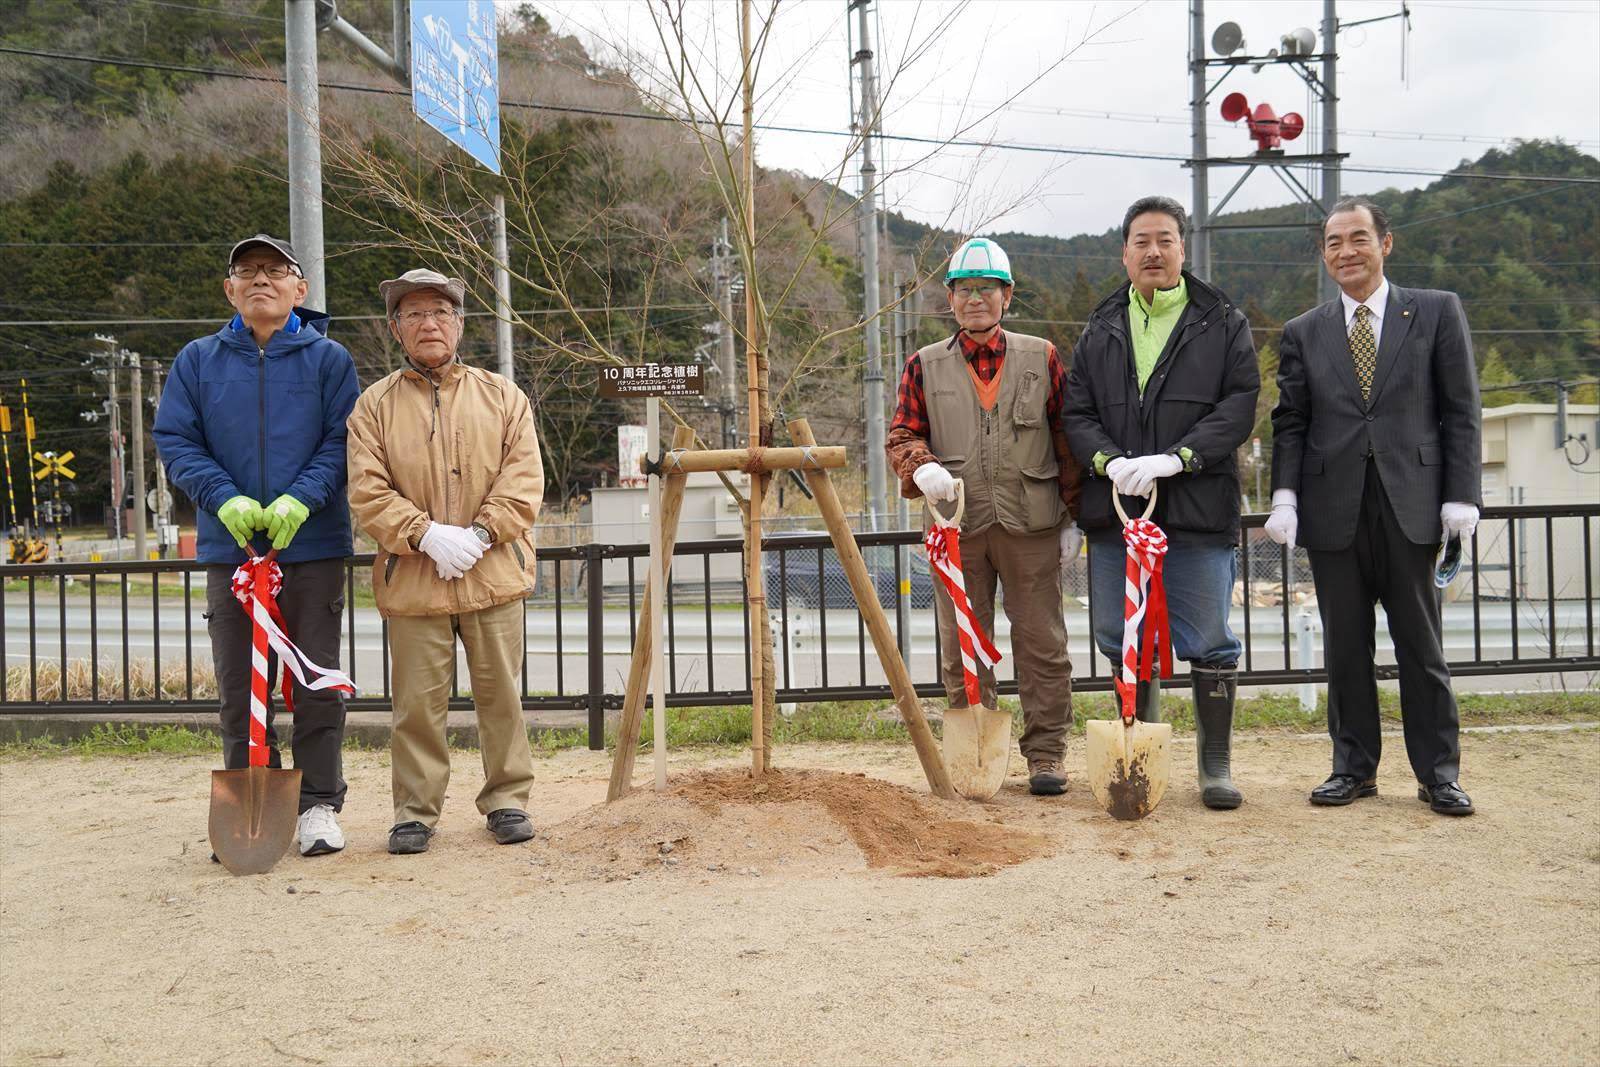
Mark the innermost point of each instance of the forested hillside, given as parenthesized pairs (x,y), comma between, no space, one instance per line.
(121,188)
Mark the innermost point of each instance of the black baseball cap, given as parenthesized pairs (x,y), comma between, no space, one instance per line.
(265,240)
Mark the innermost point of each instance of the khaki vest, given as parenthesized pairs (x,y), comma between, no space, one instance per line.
(1005,455)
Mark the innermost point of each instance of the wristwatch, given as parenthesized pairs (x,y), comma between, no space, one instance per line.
(483,534)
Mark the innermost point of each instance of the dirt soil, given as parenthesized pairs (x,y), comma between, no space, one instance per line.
(729,923)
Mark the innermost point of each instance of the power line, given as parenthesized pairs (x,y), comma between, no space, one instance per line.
(348,318)
(943,142)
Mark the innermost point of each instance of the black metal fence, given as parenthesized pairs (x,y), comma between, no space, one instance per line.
(132,634)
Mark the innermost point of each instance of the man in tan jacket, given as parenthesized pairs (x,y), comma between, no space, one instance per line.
(445,474)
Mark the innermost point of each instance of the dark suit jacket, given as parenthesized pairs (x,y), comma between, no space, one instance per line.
(1423,426)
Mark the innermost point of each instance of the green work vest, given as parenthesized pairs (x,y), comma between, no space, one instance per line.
(1005,455)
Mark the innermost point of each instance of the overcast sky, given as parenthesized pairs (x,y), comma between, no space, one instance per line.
(1485,71)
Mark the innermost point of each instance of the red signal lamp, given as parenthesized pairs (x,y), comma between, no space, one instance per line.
(1264,124)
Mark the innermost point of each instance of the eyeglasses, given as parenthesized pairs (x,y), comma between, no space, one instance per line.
(984,292)
(413,319)
(277,272)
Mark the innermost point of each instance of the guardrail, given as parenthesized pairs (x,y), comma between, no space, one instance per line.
(133,638)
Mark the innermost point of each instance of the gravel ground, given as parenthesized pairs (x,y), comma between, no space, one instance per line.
(830,919)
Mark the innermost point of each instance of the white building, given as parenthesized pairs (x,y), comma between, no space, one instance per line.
(1523,465)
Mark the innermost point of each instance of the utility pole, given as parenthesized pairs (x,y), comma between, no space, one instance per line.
(137,401)
(1200,212)
(115,438)
(502,291)
(901,337)
(1327,287)
(163,508)
(305,148)
(877,484)
(722,274)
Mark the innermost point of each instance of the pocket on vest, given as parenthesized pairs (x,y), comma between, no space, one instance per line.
(1041,497)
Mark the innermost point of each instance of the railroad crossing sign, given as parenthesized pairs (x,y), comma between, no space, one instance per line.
(54,464)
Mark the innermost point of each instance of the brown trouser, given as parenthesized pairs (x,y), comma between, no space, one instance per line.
(422,651)
(1028,567)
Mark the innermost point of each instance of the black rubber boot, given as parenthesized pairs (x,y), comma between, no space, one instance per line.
(1214,691)
(1147,701)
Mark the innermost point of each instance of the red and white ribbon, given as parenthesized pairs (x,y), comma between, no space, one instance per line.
(1144,606)
(256,585)
(944,557)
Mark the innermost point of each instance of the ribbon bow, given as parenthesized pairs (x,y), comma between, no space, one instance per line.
(1145,601)
(944,558)
(256,585)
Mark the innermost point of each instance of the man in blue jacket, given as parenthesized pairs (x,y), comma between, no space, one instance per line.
(252,427)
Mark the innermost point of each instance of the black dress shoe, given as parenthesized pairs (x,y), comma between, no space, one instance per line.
(1446,799)
(1342,789)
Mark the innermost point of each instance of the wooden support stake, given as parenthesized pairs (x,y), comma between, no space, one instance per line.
(855,568)
(738,459)
(633,701)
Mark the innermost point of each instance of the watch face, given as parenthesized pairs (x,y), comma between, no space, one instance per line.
(483,535)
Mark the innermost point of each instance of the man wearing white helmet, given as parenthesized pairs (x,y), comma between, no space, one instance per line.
(982,406)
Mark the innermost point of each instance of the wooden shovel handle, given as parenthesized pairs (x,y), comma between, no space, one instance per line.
(1149,509)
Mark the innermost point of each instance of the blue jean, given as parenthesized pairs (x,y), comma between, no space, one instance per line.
(1199,581)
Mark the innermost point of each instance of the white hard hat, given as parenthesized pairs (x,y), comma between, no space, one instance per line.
(979,258)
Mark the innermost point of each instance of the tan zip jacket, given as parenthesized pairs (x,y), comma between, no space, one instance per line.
(459,450)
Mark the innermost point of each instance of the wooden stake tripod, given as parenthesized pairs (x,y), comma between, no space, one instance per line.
(814,462)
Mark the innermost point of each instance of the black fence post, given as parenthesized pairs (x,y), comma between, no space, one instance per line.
(594,559)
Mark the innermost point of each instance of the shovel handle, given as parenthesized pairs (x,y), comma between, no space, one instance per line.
(961,507)
(1149,509)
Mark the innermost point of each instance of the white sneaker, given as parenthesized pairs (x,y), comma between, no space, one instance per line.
(319,831)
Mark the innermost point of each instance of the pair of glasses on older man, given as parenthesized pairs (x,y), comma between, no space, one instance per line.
(417,318)
(982,291)
(247,272)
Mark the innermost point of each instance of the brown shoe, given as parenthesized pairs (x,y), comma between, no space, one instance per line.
(1046,778)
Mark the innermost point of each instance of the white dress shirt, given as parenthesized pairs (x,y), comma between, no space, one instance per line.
(1376,303)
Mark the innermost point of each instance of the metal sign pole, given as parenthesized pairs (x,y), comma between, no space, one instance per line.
(658,597)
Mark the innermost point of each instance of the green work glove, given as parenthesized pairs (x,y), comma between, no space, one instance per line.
(242,516)
(283,518)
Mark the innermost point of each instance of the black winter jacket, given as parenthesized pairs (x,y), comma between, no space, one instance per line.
(1201,396)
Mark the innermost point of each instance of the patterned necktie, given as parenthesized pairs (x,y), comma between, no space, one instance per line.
(1364,350)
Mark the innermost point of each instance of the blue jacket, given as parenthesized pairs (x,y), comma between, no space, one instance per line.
(235,419)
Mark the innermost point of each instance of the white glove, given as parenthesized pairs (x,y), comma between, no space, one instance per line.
(453,549)
(1283,525)
(935,482)
(1117,470)
(1140,475)
(1459,520)
(1071,542)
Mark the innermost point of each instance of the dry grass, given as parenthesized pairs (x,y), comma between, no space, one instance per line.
(82,686)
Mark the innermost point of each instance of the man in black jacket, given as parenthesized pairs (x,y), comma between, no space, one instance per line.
(1163,388)
(1376,456)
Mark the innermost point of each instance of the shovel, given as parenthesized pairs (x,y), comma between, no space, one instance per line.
(977,739)
(254,809)
(1130,761)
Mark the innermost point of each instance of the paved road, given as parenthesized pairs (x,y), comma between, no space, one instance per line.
(557,659)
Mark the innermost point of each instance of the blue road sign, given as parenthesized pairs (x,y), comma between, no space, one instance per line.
(455,74)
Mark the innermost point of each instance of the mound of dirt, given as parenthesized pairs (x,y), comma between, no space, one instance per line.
(814,821)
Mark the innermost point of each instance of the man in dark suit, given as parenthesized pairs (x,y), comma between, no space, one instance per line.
(1376,459)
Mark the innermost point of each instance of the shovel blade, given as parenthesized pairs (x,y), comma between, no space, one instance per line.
(977,748)
(1128,766)
(253,815)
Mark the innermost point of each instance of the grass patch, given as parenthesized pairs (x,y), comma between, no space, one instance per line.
(119,739)
(846,722)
